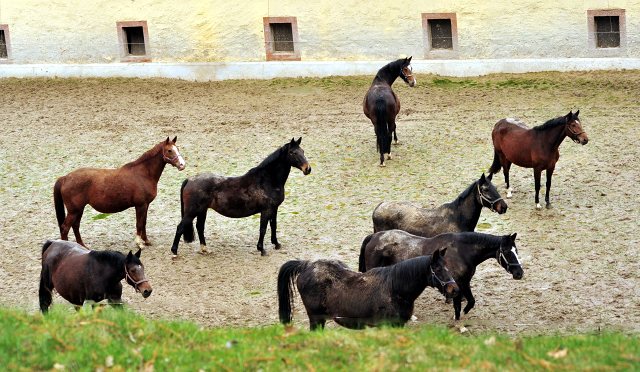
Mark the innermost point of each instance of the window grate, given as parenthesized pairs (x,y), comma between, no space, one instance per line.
(440,32)
(607,31)
(135,40)
(282,37)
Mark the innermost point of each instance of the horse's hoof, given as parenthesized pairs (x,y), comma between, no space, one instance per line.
(148,243)
(383,165)
(509,195)
(389,157)
(278,246)
(174,257)
(538,206)
(549,206)
(263,253)
(204,249)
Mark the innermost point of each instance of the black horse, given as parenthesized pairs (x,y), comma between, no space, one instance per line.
(460,215)
(465,251)
(381,104)
(330,290)
(260,190)
(79,274)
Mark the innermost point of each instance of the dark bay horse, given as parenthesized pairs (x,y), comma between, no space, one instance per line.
(460,215)
(330,290)
(113,190)
(535,147)
(79,274)
(260,190)
(465,251)
(381,104)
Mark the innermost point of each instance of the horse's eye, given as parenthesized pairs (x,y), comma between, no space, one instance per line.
(133,270)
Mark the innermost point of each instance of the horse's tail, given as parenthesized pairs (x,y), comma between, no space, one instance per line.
(45,283)
(58,202)
(382,129)
(187,227)
(495,167)
(362,265)
(288,273)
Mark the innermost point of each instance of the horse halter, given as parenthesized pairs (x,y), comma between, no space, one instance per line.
(404,76)
(130,279)
(500,256)
(442,282)
(491,202)
(575,135)
(169,160)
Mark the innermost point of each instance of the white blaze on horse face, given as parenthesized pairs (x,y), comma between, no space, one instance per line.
(181,163)
(515,253)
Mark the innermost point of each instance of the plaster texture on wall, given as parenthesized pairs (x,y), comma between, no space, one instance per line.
(75,31)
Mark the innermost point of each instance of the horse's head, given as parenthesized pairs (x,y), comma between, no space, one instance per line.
(508,256)
(296,156)
(574,129)
(441,275)
(171,154)
(406,72)
(134,274)
(489,195)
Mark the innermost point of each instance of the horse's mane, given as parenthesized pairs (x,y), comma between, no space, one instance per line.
(550,123)
(405,271)
(465,193)
(146,156)
(112,258)
(392,66)
(271,158)
(479,238)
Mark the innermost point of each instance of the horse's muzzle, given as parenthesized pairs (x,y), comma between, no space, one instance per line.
(517,273)
(584,141)
(146,292)
(451,290)
(502,207)
(306,169)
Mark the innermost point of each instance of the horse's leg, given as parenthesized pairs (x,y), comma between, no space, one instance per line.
(506,166)
(202,218)
(141,225)
(274,225)
(315,321)
(45,291)
(264,220)
(537,172)
(471,302)
(549,174)
(457,304)
(114,296)
(76,227)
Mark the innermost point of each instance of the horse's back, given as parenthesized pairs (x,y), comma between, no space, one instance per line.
(509,129)
(407,216)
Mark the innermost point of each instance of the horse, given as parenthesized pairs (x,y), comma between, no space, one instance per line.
(80,275)
(535,147)
(381,104)
(113,190)
(460,215)
(465,251)
(330,290)
(260,190)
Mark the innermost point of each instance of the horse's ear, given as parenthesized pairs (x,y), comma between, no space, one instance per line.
(138,253)
(443,252)
(167,141)
(513,237)
(299,140)
(175,139)
(129,256)
(489,177)
(409,59)
(483,179)
(569,115)
(577,112)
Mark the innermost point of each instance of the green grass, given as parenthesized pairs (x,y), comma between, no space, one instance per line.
(108,339)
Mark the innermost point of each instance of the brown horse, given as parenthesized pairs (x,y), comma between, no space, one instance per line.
(113,190)
(81,275)
(381,105)
(535,147)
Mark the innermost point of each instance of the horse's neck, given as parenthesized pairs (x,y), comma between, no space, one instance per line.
(150,163)
(468,207)
(410,283)
(116,271)
(278,171)
(483,252)
(554,136)
(386,75)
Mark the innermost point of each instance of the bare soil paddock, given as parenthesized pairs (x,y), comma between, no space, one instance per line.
(580,258)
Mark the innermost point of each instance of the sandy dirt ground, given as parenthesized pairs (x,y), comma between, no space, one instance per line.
(580,258)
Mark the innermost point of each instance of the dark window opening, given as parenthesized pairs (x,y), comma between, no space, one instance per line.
(134,40)
(440,31)
(282,37)
(3,45)
(607,31)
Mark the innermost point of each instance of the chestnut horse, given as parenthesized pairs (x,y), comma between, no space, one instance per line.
(381,105)
(260,190)
(330,290)
(535,147)
(81,275)
(113,190)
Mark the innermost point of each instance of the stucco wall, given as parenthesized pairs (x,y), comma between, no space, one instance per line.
(75,31)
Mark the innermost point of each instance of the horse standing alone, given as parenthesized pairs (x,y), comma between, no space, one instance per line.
(80,275)
(381,104)
(535,147)
(330,290)
(113,190)
(260,190)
